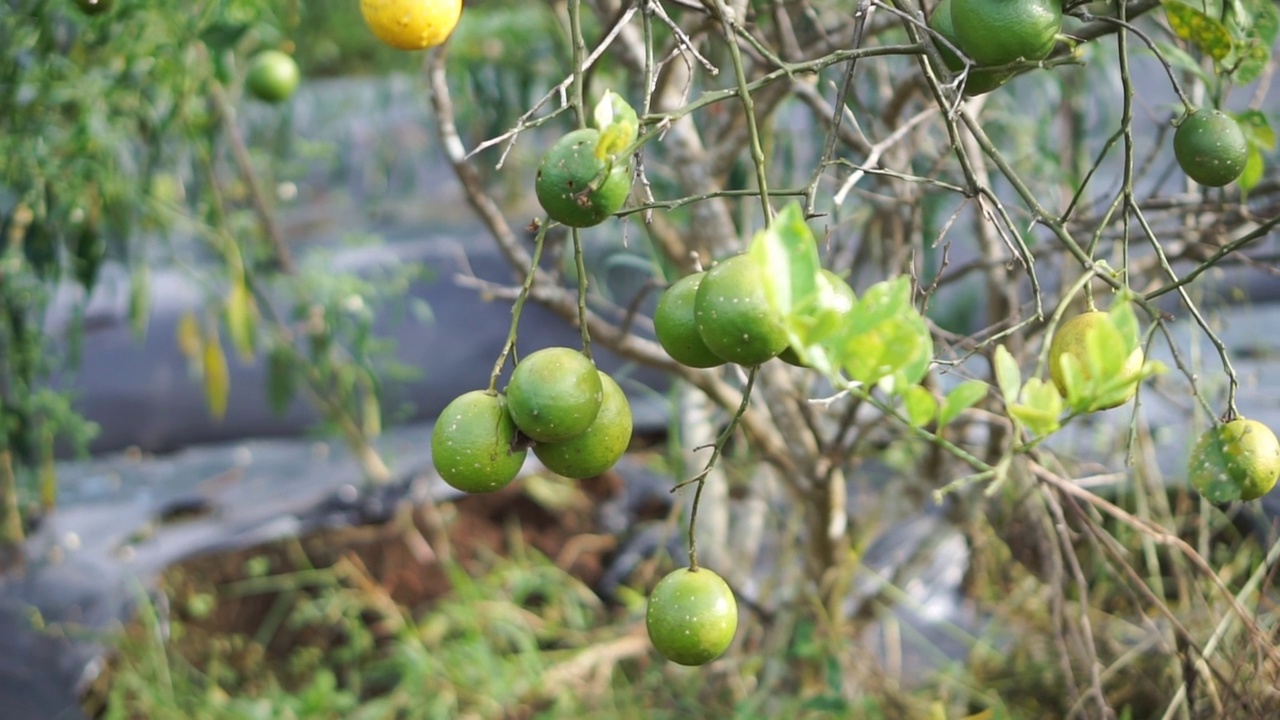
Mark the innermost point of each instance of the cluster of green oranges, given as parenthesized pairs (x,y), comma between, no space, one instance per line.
(573,415)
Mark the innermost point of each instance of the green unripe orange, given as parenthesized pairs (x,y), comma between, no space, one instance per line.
(1238,460)
(554,394)
(998,32)
(600,445)
(273,76)
(979,81)
(1210,147)
(472,443)
(691,616)
(733,316)
(676,327)
(575,187)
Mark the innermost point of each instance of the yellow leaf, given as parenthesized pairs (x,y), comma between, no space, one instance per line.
(370,414)
(189,340)
(241,312)
(217,379)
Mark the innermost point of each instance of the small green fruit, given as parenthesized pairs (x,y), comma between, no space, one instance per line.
(575,187)
(691,616)
(733,316)
(1238,460)
(1210,147)
(599,447)
(273,76)
(675,324)
(554,394)
(472,443)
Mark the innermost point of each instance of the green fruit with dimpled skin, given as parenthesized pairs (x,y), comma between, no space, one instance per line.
(676,326)
(471,444)
(733,316)
(998,32)
(691,616)
(554,394)
(979,81)
(599,447)
(575,187)
(1210,147)
(1238,460)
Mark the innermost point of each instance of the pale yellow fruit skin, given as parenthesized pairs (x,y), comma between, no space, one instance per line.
(1070,340)
(411,24)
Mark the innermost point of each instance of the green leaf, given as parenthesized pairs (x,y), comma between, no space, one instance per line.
(894,346)
(1040,409)
(223,35)
(140,300)
(618,125)
(915,365)
(1126,324)
(1254,168)
(1261,21)
(1252,60)
(1074,383)
(964,396)
(920,405)
(282,379)
(1205,32)
(787,256)
(1180,59)
(881,301)
(1257,130)
(884,338)
(1008,376)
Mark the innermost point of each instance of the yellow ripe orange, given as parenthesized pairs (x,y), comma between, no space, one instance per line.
(411,24)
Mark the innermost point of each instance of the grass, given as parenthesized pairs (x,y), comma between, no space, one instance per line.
(496,621)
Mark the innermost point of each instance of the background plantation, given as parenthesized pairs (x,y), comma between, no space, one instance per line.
(927,521)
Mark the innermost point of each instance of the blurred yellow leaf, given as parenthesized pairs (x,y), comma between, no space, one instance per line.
(370,414)
(217,379)
(189,340)
(241,312)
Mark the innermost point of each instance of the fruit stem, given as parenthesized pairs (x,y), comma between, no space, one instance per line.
(580,263)
(518,306)
(717,449)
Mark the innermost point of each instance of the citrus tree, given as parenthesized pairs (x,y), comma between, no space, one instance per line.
(945,236)
(967,228)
